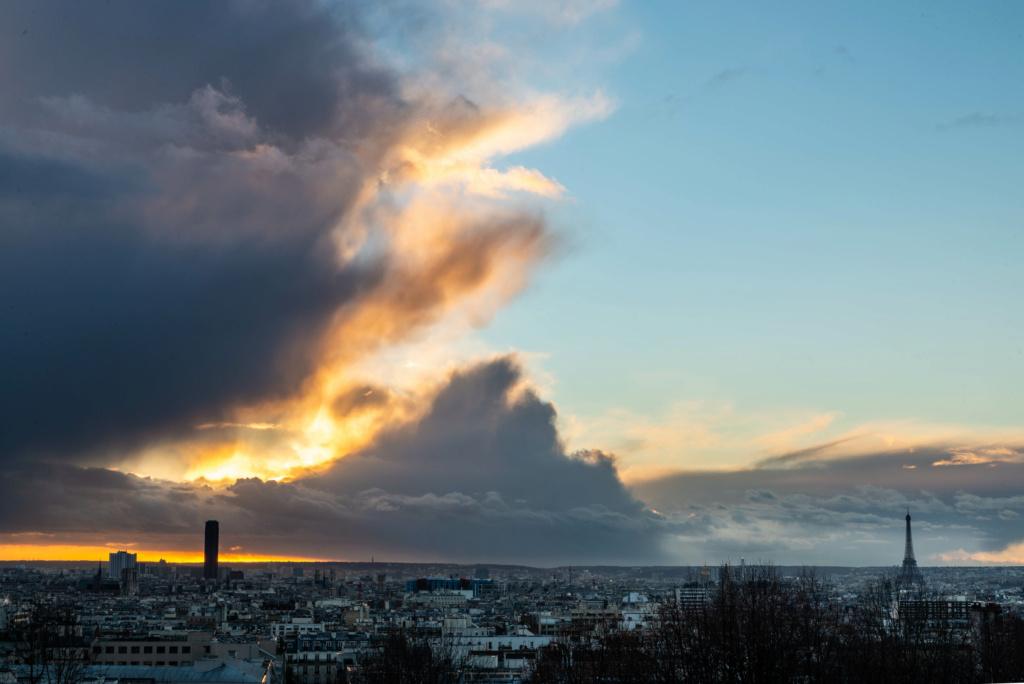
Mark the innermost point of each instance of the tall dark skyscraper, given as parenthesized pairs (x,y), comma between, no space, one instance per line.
(212,545)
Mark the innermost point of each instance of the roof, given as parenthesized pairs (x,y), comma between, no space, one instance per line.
(238,671)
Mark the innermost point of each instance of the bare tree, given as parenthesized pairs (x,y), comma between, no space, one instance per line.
(582,655)
(817,620)
(755,626)
(49,644)
(403,656)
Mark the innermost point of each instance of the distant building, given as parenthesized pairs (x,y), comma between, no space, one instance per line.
(130,582)
(119,562)
(211,550)
(936,614)
(477,586)
(692,597)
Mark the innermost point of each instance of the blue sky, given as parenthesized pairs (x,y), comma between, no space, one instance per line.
(793,206)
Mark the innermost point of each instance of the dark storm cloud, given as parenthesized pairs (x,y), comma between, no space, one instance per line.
(295,64)
(56,499)
(186,236)
(165,208)
(482,475)
(106,331)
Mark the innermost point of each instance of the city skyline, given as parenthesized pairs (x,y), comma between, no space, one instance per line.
(581,282)
(208,559)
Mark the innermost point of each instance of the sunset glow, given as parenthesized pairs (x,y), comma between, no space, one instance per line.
(41,552)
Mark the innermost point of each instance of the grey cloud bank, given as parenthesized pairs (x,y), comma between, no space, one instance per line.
(847,510)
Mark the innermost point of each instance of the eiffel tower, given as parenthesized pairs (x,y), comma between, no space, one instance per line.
(910,573)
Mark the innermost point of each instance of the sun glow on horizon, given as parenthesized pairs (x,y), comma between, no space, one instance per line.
(63,552)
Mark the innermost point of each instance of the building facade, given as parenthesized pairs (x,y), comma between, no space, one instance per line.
(119,562)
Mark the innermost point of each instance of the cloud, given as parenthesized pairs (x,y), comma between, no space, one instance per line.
(819,506)
(725,77)
(979,456)
(230,245)
(206,267)
(983,120)
(842,52)
(1012,554)
(557,13)
(481,476)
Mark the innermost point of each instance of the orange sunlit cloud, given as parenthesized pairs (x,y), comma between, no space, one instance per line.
(451,258)
(431,197)
(1011,555)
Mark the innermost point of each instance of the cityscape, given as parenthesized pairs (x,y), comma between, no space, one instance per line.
(328,623)
(511,341)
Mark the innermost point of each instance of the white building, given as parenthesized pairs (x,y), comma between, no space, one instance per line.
(122,560)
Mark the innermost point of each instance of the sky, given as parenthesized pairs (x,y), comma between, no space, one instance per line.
(525,282)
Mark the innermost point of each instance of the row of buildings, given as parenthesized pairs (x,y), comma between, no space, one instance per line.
(310,624)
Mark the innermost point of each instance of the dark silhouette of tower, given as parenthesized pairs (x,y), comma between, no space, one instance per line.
(212,545)
(910,573)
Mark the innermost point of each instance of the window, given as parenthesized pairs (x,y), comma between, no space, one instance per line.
(148,663)
(122,649)
(231,654)
(161,649)
(172,649)
(185,649)
(159,662)
(186,663)
(122,662)
(135,662)
(97,650)
(147,649)
(206,649)
(135,649)
(110,649)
